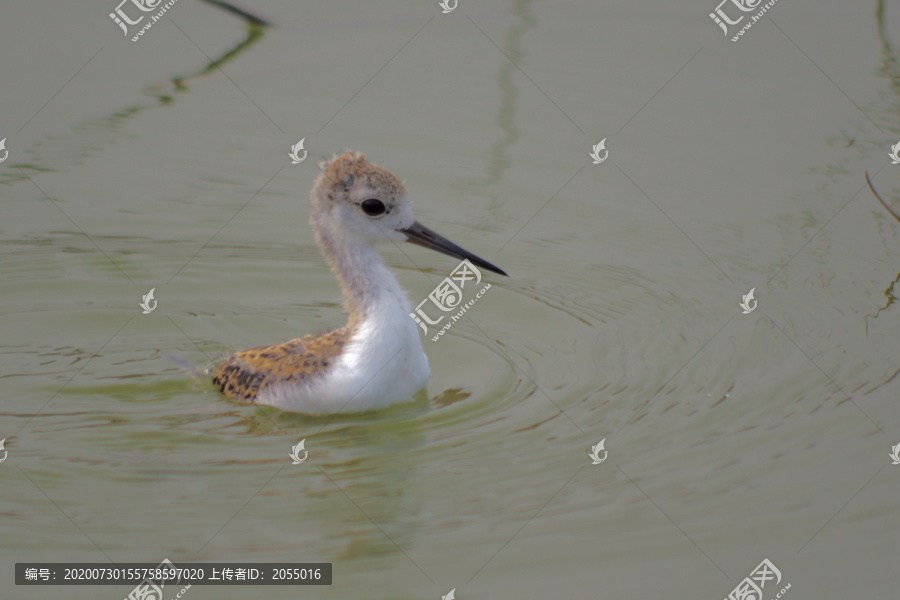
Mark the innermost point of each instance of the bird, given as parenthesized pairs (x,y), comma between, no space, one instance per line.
(376,359)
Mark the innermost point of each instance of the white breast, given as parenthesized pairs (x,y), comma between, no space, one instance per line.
(382,364)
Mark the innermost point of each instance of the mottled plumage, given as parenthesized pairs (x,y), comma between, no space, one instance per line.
(300,360)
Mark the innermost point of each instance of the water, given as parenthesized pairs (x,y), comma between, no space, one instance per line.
(732,166)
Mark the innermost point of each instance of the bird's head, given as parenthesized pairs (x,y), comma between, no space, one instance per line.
(355,200)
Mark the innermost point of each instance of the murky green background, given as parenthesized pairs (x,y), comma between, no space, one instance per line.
(731,438)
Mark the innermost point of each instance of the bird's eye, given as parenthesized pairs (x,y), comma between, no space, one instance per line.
(372,207)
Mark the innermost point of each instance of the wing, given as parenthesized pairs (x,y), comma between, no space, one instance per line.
(244,374)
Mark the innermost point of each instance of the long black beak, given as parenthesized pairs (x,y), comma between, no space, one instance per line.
(422,236)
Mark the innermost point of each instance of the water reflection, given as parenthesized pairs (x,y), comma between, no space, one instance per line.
(889,67)
(354,487)
(498,161)
(96,133)
(255,28)
(891,71)
(889,292)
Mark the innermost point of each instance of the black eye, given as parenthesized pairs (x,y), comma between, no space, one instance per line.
(372,207)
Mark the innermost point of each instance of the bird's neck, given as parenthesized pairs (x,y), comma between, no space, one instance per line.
(369,288)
